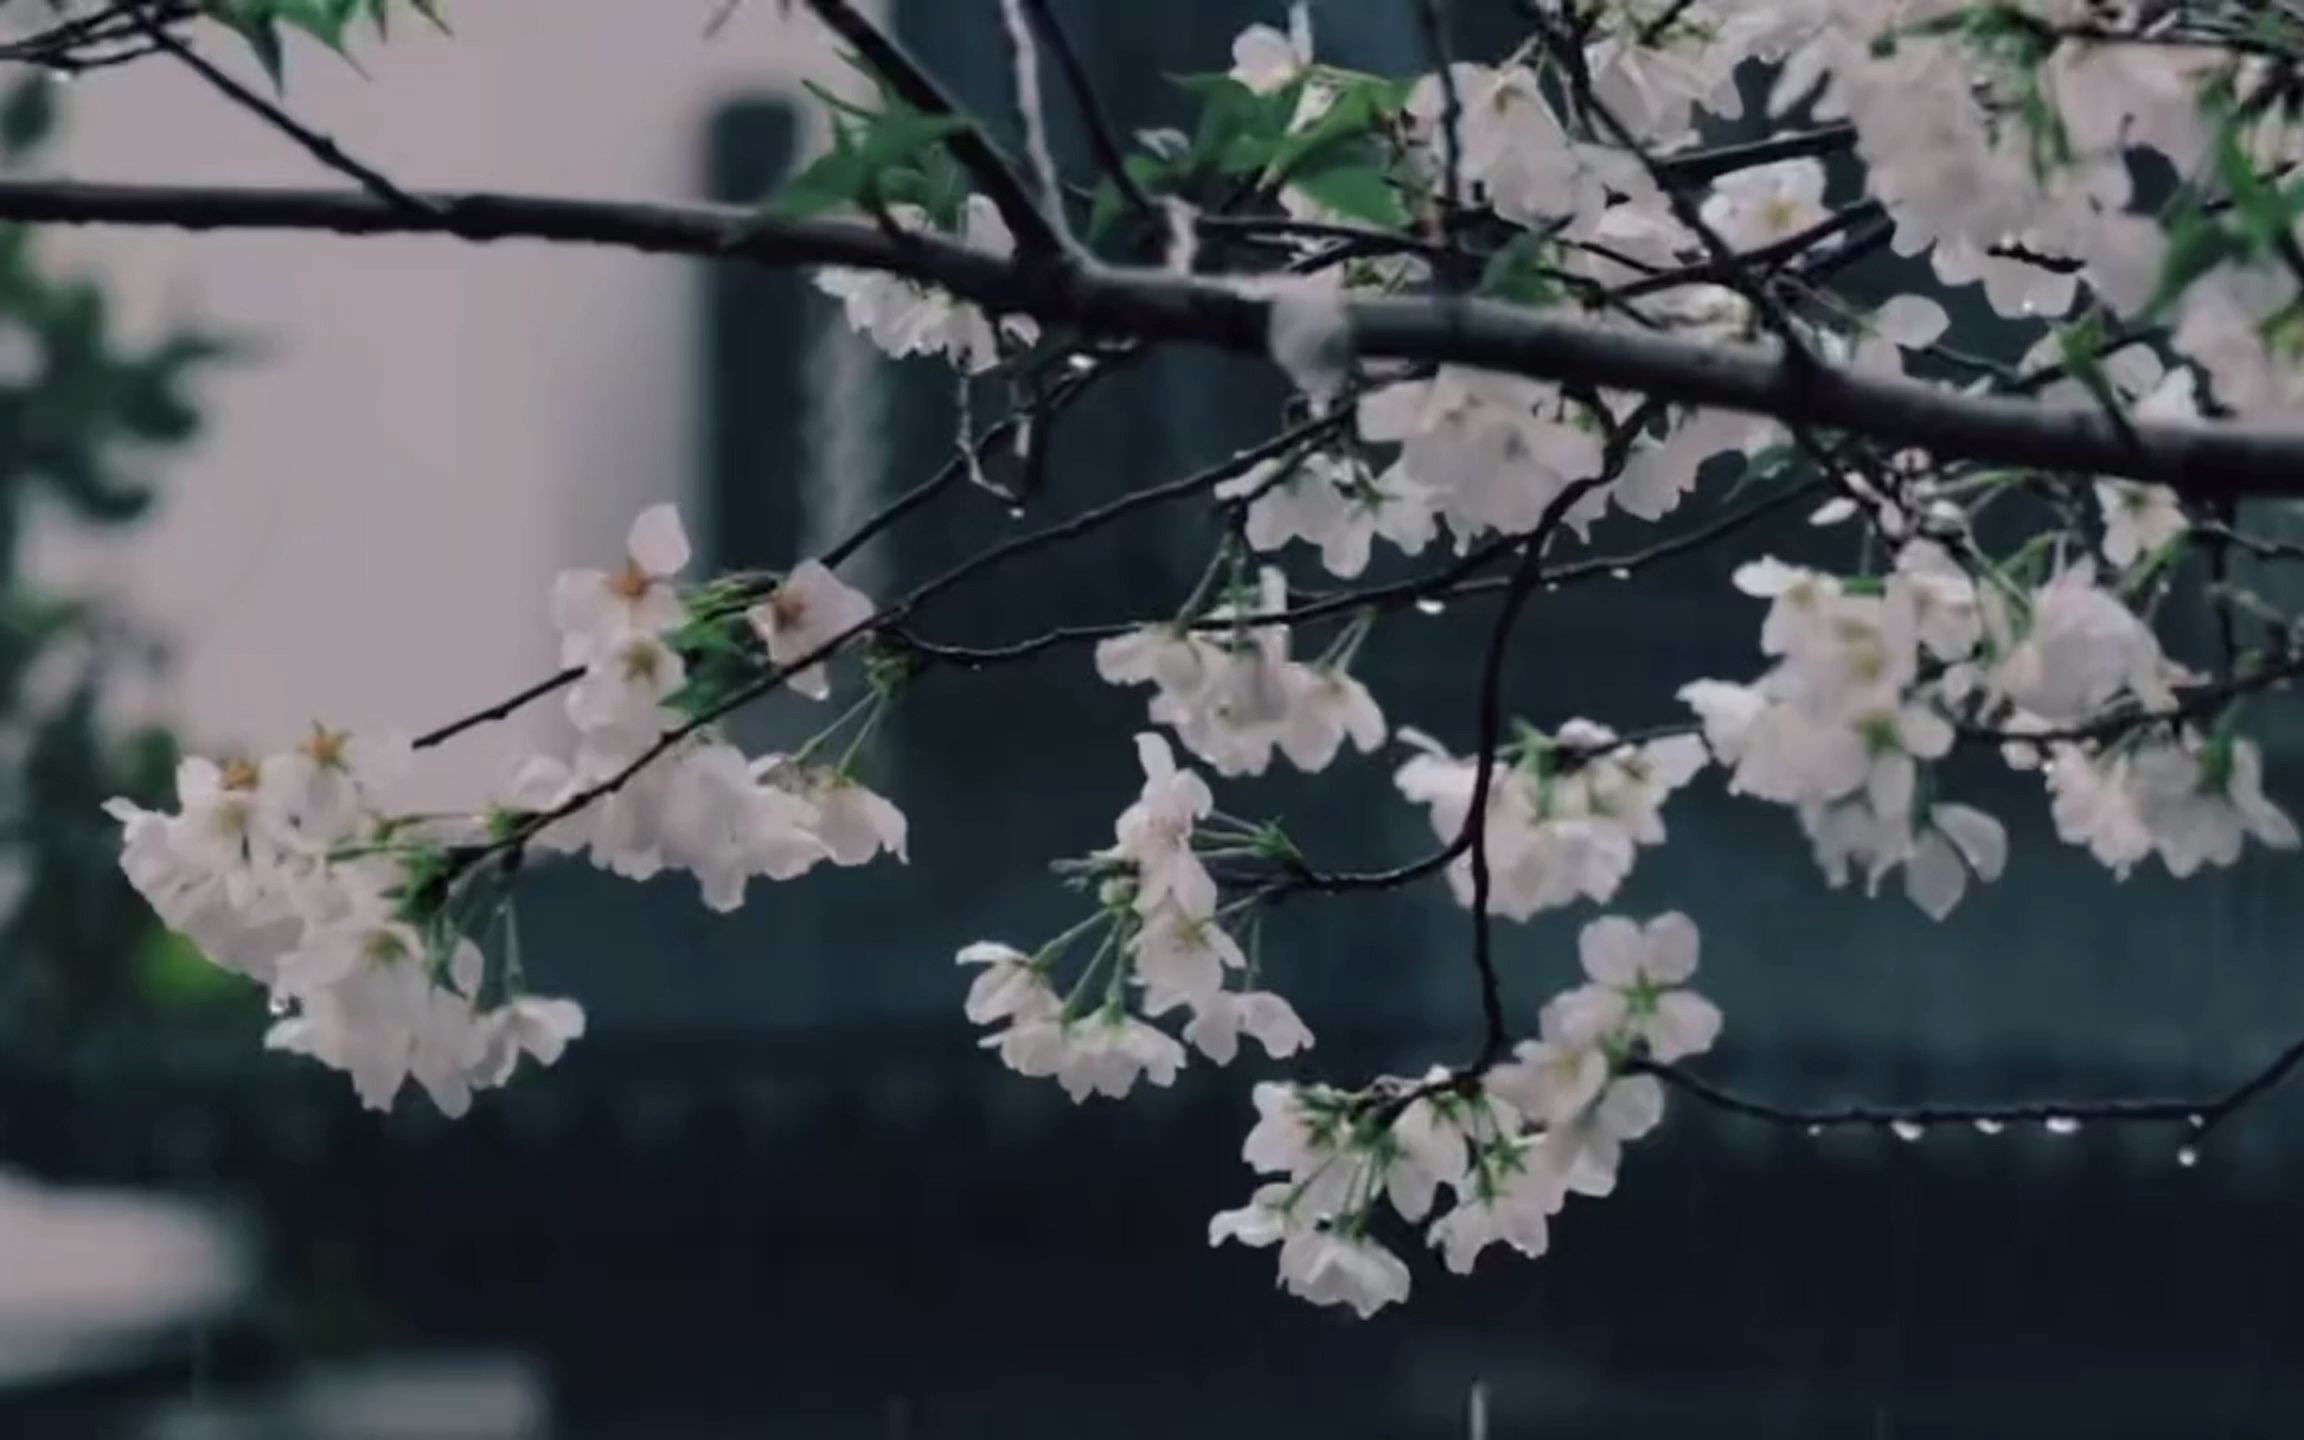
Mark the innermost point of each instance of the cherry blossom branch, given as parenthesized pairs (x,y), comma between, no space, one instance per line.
(2198,704)
(983,161)
(888,616)
(501,710)
(2223,459)
(1447,582)
(2201,1114)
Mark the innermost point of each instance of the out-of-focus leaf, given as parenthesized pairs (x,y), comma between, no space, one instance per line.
(27,114)
(171,972)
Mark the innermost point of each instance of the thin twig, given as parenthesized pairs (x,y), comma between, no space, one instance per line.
(2200,1115)
(871,526)
(318,146)
(884,618)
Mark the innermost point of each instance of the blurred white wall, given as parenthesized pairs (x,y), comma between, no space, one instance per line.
(367,532)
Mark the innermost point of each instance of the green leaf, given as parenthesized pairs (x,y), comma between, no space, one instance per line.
(323,20)
(1238,130)
(1351,184)
(2197,244)
(852,172)
(1352,115)
(1517,273)
(833,179)
(255,22)
(1151,174)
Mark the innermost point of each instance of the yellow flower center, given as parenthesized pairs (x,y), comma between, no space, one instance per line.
(642,660)
(382,947)
(325,747)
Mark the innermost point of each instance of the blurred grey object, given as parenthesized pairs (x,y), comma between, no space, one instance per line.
(458,1397)
(91,1279)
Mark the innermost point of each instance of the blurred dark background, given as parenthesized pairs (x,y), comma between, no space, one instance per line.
(778,1189)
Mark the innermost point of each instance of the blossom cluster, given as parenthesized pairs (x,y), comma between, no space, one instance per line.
(1510,1144)
(1995,144)
(386,937)
(1225,685)
(1160,946)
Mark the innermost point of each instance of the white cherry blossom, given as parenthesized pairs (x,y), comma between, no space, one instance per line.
(1767,203)
(1637,975)
(1219,1020)
(1331,1267)
(594,609)
(2138,520)
(1155,833)
(1008,987)
(2201,804)
(810,610)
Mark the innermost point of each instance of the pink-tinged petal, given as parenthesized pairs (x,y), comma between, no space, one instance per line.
(1672,949)
(1612,950)
(1685,1024)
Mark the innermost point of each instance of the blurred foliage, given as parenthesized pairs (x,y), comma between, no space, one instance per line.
(83,416)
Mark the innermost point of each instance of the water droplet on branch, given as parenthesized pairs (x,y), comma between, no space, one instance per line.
(1907,1130)
(2060,1125)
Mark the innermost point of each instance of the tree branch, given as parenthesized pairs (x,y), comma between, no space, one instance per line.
(2200,1115)
(2224,459)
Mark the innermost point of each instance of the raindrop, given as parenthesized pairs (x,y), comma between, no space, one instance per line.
(1814,1131)
(1551,587)
(2061,1125)
(1429,606)
(1015,512)
(2188,1157)
(280,1005)
(1986,1125)
(2197,1122)
(1620,573)
(1081,364)
(1907,1130)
